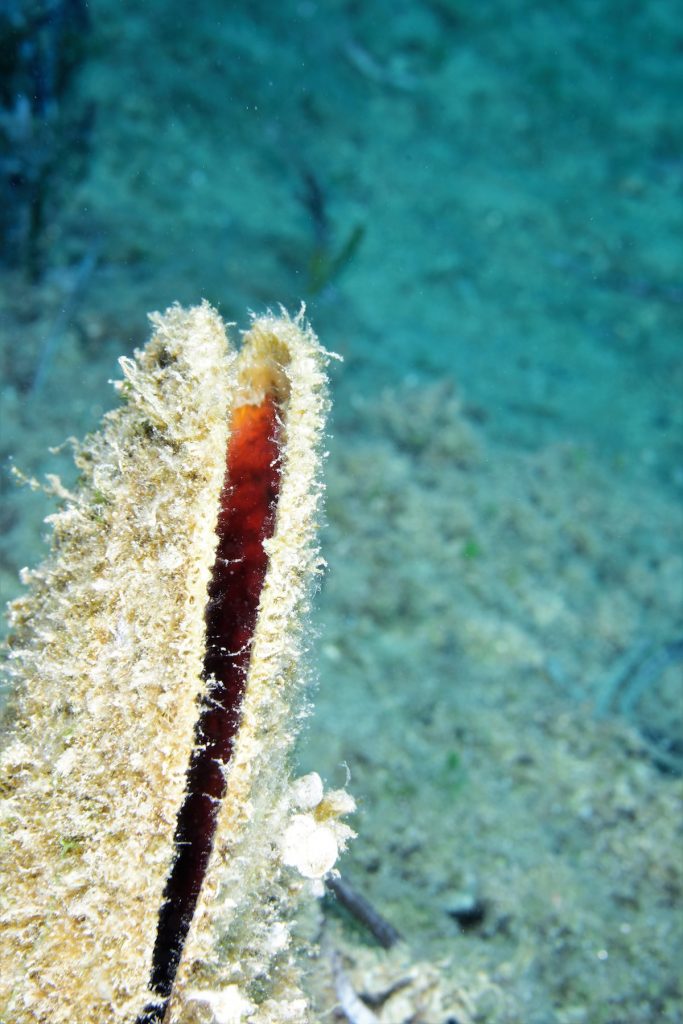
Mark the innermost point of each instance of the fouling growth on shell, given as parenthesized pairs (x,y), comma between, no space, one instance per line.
(154,849)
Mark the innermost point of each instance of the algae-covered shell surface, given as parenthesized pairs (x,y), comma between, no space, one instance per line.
(108,661)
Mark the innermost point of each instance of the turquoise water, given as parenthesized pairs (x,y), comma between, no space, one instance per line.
(480,205)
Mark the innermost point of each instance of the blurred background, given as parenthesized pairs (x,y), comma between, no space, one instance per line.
(481,206)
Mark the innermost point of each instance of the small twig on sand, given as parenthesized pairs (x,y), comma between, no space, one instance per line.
(47,351)
(350,1003)
(621,692)
(612,683)
(633,675)
(368,66)
(647,672)
(364,912)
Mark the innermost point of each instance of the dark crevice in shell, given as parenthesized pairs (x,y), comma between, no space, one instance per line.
(246,519)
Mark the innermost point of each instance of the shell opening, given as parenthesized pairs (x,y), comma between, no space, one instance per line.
(246,519)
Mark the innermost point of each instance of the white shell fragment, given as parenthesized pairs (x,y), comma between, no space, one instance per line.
(314,839)
(227,1006)
(307,792)
(309,847)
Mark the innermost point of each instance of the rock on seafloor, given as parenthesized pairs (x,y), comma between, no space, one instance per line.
(123,674)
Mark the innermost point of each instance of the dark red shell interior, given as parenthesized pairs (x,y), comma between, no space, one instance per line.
(246,519)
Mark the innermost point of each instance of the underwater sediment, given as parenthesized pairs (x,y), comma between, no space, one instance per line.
(154,848)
